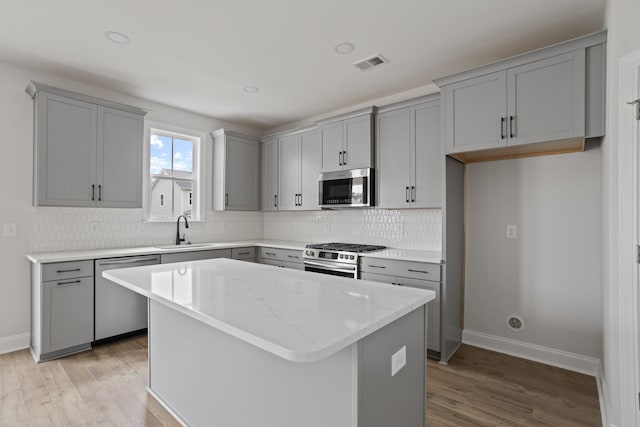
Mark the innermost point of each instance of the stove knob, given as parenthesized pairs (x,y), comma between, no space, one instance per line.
(352,257)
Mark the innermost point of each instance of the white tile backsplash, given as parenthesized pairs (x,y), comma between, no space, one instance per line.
(60,229)
(396,228)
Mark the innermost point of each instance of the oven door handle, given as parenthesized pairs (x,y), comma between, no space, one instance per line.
(329,267)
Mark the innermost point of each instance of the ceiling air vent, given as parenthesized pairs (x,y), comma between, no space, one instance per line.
(371,62)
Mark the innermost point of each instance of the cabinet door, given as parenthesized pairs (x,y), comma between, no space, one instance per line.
(241,174)
(66,144)
(67,313)
(475,113)
(546,99)
(357,143)
(309,169)
(119,159)
(426,166)
(433,309)
(393,175)
(331,141)
(289,172)
(270,175)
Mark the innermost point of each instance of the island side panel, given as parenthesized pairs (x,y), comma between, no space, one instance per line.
(208,377)
(393,400)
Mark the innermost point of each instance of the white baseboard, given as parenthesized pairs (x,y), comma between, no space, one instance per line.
(537,353)
(14,343)
(603,396)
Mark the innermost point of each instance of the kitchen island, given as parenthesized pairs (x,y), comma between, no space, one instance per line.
(233,343)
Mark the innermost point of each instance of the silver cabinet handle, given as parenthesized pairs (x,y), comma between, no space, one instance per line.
(406,194)
(417,271)
(93,192)
(340,161)
(226,199)
(68,283)
(275,201)
(67,271)
(377,266)
(511,127)
(344,157)
(270,253)
(502,120)
(413,193)
(300,202)
(244,253)
(293,256)
(100,192)
(128,260)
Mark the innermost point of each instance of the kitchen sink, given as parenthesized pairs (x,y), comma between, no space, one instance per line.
(188,245)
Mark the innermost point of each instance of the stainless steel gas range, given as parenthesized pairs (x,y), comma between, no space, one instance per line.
(337,259)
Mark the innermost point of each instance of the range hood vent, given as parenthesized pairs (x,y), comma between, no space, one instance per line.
(371,62)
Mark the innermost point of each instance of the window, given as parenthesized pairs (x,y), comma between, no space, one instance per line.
(172,172)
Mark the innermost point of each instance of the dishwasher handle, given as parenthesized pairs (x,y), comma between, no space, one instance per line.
(128,260)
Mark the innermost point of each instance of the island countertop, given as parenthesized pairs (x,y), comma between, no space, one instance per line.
(299,316)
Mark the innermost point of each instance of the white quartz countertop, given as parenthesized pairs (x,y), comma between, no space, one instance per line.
(62,256)
(297,315)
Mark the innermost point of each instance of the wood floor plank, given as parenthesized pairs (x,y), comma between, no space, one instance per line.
(107,387)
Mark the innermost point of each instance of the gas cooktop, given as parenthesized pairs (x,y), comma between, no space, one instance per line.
(346,247)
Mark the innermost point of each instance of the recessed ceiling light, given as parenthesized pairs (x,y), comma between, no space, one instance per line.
(117,37)
(251,89)
(344,48)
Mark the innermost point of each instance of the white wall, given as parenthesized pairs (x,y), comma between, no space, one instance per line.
(551,274)
(619,337)
(62,228)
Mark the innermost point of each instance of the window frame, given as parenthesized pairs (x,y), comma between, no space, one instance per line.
(199,172)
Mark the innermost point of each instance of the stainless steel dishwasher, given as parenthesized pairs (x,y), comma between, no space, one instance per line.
(117,309)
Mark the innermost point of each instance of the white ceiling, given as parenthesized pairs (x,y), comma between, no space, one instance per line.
(199,54)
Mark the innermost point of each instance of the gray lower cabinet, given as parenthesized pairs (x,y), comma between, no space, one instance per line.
(61,308)
(409,160)
(236,168)
(286,258)
(244,254)
(194,255)
(412,274)
(87,151)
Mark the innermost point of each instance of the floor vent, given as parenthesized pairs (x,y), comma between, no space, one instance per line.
(371,62)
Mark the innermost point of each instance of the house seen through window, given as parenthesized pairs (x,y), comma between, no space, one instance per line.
(173,175)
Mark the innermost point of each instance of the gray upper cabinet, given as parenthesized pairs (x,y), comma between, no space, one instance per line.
(347,141)
(269,154)
(87,151)
(552,95)
(236,166)
(299,170)
(120,158)
(475,113)
(410,156)
(546,99)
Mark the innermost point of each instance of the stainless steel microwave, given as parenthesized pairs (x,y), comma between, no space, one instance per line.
(347,189)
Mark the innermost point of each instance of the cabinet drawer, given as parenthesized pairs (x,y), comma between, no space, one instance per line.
(243,253)
(288,255)
(195,255)
(411,269)
(66,270)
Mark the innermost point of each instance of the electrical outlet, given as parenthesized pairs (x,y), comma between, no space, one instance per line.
(512,232)
(398,360)
(10,229)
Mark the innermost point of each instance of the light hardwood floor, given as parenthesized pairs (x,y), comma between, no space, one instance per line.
(106,387)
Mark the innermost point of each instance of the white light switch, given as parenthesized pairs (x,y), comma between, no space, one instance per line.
(398,360)
(512,232)
(10,229)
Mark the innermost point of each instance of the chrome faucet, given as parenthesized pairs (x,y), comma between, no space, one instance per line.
(179,239)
